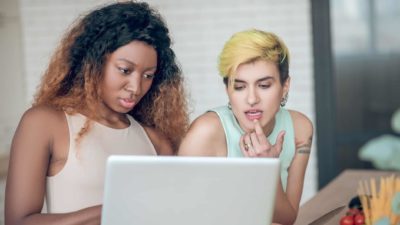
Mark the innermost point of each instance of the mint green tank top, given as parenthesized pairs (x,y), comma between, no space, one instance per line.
(283,121)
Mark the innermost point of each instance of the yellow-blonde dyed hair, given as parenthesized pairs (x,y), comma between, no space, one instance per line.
(252,45)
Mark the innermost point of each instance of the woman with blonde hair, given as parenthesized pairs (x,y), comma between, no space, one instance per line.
(112,87)
(255,68)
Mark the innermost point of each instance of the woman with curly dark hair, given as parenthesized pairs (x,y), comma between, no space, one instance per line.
(112,87)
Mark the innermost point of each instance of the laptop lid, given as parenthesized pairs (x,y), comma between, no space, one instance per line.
(170,190)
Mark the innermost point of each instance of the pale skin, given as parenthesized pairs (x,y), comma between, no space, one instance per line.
(41,142)
(255,97)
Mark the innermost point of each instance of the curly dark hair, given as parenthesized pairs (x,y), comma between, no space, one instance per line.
(72,78)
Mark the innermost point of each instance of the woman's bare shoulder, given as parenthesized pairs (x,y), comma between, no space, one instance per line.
(206,136)
(303,126)
(41,121)
(43,114)
(206,120)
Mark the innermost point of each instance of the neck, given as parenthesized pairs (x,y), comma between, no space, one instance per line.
(108,117)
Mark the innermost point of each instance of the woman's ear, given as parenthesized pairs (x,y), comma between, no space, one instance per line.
(286,87)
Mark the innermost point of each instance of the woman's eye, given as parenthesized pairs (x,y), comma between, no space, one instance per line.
(124,70)
(264,86)
(148,76)
(238,87)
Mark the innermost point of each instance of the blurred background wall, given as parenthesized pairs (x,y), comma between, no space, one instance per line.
(199,29)
(356,47)
(366,50)
(12,84)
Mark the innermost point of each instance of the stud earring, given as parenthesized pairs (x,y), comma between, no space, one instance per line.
(284,100)
(229,106)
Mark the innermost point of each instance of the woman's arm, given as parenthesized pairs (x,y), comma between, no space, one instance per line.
(287,204)
(162,145)
(205,137)
(29,162)
(255,144)
(87,216)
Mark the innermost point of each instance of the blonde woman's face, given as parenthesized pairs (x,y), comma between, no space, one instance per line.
(256,94)
(128,75)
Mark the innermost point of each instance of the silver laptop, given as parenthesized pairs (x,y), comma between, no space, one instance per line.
(170,190)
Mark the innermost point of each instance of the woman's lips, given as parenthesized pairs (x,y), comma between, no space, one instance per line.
(127,103)
(253,114)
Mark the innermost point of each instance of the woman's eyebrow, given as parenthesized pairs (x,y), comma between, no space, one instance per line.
(266,78)
(134,64)
(261,79)
(127,61)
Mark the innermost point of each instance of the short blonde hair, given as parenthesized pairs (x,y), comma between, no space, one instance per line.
(251,45)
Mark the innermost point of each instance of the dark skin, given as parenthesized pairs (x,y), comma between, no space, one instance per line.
(40,149)
(41,142)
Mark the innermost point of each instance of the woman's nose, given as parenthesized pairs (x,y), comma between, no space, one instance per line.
(252,97)
(134,84)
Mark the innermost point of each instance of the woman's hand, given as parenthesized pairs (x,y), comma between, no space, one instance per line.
(256,144)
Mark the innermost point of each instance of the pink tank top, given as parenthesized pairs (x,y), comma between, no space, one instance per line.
(80,183)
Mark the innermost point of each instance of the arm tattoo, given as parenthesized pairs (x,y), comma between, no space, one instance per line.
(304,148)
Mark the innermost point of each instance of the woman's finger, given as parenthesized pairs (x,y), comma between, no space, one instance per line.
(248,145)
(243,148)
(262,138)
(255,143)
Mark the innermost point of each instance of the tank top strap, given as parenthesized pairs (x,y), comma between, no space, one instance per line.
(233,132)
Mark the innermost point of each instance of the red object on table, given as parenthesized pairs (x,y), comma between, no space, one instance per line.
(359,219)
(347,220)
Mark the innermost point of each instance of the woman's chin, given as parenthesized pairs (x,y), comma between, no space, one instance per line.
(247,127)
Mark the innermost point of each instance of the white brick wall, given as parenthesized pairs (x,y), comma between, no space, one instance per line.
(199,29)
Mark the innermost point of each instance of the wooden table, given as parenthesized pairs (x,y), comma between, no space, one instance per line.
(337,193)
